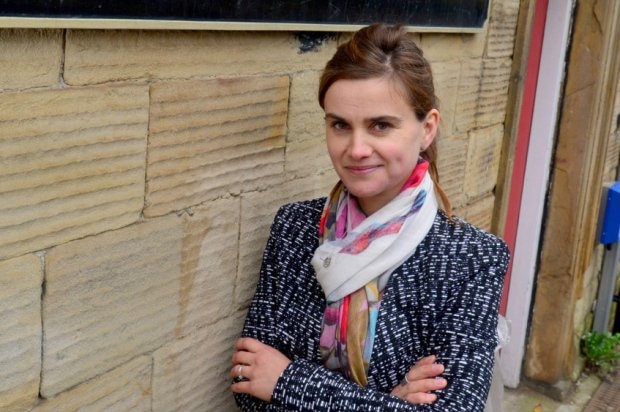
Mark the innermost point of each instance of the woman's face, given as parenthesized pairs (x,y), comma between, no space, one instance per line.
(374,138)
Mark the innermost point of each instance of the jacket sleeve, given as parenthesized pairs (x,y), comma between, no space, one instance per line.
(464,335)
(260,318)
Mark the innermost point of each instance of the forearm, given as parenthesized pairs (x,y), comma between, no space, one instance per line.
(305,386)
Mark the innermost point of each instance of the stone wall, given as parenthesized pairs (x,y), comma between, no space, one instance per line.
(140,171)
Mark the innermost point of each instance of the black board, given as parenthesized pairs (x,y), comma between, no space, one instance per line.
(422,13)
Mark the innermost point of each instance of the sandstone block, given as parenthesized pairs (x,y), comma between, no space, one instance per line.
(191,374)
(616,126)
(612,157)
(491,107)
(451,163)
(208,264)
(306,152)
(502,28)
(467,95)
(30,58)
(257,212)
(483,161)
(453,46)
(306,158)
(479,213)
(305,119)
(94,56)
(613,146)
(214,137)
(446,78)
(20,332)
(108,299)
(124,389)
(72,164)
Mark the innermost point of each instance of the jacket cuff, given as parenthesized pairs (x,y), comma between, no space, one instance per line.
(292,389)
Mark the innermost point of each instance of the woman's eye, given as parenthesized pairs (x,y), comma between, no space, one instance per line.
(338,125)
(382,126)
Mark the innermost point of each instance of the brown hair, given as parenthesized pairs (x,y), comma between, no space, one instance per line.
(380,50)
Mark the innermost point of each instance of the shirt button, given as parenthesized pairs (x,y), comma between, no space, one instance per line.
(327,261)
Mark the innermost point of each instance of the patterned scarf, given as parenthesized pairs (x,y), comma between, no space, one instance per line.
(354,260)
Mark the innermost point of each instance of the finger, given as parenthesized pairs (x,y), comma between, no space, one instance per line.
(427,360)
(242,371)
(242,357)
(247,344)
(418,372)
(238,370)
(425,385)
(241,387)
(420,398)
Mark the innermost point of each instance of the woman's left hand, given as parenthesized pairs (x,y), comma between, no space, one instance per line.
(420,381)
(259,365)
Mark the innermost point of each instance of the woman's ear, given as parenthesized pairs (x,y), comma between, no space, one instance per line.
(430,125)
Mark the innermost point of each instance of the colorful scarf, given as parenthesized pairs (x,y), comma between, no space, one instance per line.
(354,261)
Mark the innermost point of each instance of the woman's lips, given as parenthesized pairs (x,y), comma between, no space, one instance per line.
(362,170)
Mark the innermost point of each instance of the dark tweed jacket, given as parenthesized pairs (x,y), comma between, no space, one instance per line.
(442,301)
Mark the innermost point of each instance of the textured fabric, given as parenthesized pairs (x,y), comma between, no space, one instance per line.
(383,241)
(443,300)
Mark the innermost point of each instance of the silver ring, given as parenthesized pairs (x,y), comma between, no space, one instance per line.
(404,381)
(239,372)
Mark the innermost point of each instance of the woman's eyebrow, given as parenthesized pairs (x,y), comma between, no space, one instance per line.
(333,116)
(386,118)
(381,118)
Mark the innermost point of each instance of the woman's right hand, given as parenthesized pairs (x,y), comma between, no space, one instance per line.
(422,378)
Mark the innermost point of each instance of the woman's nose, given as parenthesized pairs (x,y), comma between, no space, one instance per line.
(359,147)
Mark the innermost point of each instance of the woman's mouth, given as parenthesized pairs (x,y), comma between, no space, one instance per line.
(361,170)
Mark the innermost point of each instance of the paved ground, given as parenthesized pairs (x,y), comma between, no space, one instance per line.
(590,395)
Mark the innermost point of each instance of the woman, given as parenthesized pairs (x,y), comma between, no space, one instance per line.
(374,299)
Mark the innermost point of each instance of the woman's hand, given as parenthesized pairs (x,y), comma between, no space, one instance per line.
(420,380)
(259,366)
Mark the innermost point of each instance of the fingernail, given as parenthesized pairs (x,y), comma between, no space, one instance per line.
(438,367)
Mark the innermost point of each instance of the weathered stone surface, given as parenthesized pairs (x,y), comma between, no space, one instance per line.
(483,161)
(306,152)
(491,107)
(613,144)
(209,264)
(467,95)
(109,298)
(20,332)
(214,137)
(452,46)
(305,114)
(502,28)
(124,389)
(94,56)
(71,164)
(479,213)
(446,78)
(617,108)
(257,212)
(306,158)
(451,163)
(191,374)
(29,58)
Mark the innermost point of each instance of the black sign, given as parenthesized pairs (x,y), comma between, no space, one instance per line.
(423,13)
